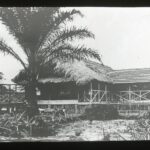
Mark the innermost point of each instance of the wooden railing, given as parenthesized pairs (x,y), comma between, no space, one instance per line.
(97,96)
(104,96)
(132,95)
(11,93)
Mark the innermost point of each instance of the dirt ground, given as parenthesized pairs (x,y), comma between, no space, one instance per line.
(117,129)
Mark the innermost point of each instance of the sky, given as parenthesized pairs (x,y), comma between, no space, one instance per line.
(122,38)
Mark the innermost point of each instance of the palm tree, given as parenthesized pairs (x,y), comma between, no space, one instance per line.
(44,39)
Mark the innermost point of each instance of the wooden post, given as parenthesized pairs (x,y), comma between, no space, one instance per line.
(84,95)
(78,96)
(99,90)
(9,101)
(129,93)
(106,93)
(140,95)
(91,91)
(76,109)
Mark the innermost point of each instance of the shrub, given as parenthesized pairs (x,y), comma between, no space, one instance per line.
(101,112)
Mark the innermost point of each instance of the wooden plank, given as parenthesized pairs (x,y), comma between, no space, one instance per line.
(57,102)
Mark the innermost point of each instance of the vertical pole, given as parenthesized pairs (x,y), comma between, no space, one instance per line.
(9,101)
(129,97)
(84,95)
(49,106)
(112,97)
(76,109)
(99,91)
(129,92)
(106,92)
(91,91)
(140,95)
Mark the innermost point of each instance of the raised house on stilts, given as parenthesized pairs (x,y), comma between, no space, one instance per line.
(93,83)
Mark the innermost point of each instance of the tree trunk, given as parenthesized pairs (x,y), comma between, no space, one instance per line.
(32,99)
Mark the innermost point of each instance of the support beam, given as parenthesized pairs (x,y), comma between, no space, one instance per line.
(140,95)
(99,91)
(84,95)
(106,93)
(91,91)
(78,96)
(130,93)
(76,109)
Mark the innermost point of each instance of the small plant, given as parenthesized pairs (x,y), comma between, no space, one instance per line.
(18,125)
(101,112)
(140,130)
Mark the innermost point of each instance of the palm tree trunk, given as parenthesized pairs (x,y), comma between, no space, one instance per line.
(32,98)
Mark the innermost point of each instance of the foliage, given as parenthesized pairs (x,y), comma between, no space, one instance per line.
(101,112)
(17,125)
(140,130)
(20,125)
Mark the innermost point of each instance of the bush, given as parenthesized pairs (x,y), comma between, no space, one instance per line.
(19,125)
(101,112)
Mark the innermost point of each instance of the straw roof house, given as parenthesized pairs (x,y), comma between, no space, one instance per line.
(77,71)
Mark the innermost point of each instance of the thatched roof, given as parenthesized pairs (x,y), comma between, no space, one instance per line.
(54,80)
(80,72)
(130,75)
(83,72)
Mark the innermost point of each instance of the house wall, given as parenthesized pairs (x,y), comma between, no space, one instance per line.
(58,91)
(101,91)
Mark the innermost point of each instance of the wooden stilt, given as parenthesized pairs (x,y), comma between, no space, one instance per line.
(140,95)
(91,91)
(76,109)
(129,93)
(99,92)
(78,97)
(84,95)
(9,107)
(106,93)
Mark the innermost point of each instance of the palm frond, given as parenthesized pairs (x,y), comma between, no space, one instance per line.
(9,19)
(60,37)
(6,49)
(68,52)
(70,34)
(61,17)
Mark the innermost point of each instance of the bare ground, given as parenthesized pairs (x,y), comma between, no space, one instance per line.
(117,130)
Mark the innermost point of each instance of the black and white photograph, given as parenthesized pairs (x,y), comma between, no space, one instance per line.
(74,74)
